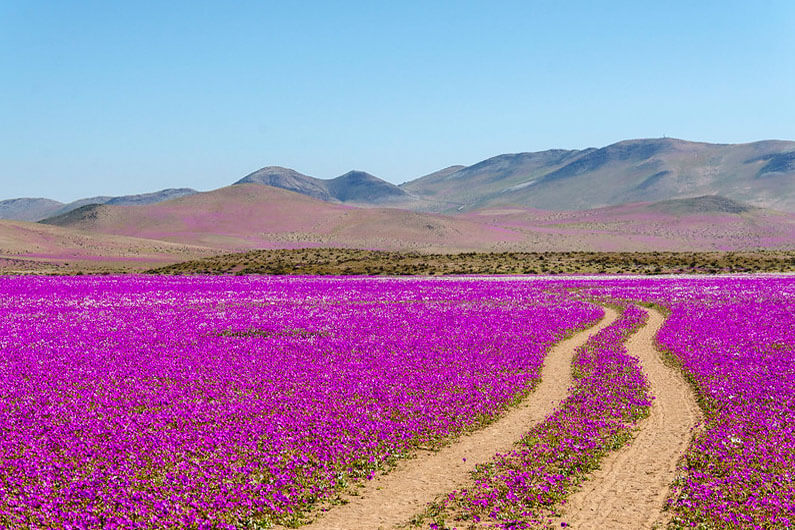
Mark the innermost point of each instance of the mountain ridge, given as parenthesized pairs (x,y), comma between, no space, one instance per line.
(247,216)
(760,174)
(355,186)
(39,209)
(623,172)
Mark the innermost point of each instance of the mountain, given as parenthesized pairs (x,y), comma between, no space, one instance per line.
(78,217)
(363,188)
(289,179)
(151,198)
(38,209)
(645,170)
(357,187)
(708,223)
(469,185)
(127,200)
(26,246)
(28,209)
(759,174)
(245,216)
(705,204)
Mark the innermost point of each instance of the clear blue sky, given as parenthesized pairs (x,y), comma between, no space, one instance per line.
(116,97)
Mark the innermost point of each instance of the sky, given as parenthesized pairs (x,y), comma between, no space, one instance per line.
(111,98)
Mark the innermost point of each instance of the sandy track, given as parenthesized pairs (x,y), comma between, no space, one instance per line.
(630,488)
(396,497)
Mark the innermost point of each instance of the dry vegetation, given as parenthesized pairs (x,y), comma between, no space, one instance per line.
(333,261)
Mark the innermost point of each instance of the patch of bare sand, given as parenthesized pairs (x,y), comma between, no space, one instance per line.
(395,498)
(630,488)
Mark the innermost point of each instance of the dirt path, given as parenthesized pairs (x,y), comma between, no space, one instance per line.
(630,488)
(396,497)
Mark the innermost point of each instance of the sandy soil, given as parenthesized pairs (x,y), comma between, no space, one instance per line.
(630,489)
(395,498)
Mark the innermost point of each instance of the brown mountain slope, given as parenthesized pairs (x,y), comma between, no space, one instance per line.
(704,223)
(250,216)
(257,216)
(34,246)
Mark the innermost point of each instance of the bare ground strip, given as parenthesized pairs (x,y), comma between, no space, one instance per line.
(630,488)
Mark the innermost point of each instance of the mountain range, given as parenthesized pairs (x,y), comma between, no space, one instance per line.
(759,174)
(36,209)
(659,194)
(248,216)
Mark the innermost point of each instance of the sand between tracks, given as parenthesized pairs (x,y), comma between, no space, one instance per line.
(395,498)
(630,488)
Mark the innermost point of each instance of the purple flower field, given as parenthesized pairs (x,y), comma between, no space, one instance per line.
(143,402)
(236,402)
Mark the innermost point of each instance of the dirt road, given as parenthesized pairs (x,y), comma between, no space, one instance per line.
(396,497)
(630,488)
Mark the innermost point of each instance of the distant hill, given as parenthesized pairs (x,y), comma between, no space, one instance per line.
(79,217)
(39,209)
(468,186)
(709,223)
(759,174)
(356,187)
(247,216)
(703,204)
(28,209)
(361,187)
(29,247)
(289,179)
(151,198)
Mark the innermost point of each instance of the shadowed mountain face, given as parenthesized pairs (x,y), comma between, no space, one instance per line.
(696,205)
(82,217)
(775,163)
(361,187)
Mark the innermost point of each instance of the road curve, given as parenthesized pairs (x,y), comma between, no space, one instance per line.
(630,488)
(396,497)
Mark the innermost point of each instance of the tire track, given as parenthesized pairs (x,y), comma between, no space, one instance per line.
(630,488)
(395,498)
